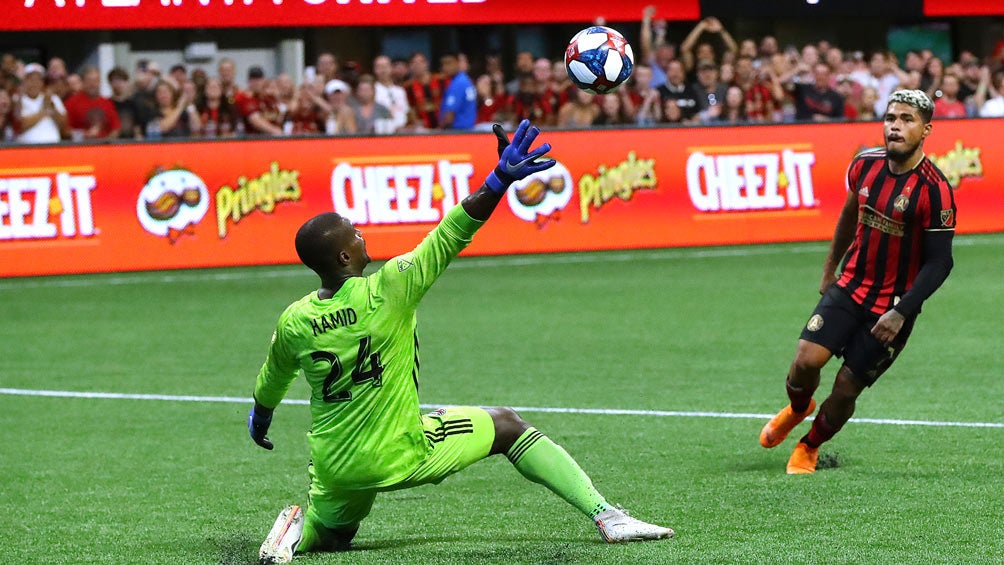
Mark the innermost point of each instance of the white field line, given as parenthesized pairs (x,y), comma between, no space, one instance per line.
(200,275)
(526,409)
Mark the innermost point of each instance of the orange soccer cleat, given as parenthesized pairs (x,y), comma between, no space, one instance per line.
(803,460)
(781,425)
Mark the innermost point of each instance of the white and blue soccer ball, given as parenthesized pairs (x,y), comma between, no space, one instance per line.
(599,59)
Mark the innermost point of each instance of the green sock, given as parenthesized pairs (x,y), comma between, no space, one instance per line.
(542,461)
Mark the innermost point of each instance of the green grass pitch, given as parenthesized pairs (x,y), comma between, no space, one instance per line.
(152,481)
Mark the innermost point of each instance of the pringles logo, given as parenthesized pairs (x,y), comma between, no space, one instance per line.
(750,178)
(620,181)
(171,203)
(540,197)
(959,162)
(262,193)
(404,189)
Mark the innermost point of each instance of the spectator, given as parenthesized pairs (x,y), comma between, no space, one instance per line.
(547,92)
(705,50)
(580,112)
(566,89)
(56,78)
(389,94)
(143,98)
(732,109)
(286,90)
(217,116)
(259,109)
(179,74)
(817,101)
(882,75)
(671,113)
(760,99)
(400,71)
(459,108)
(637,86)
(650,110)
(6,117)
(372,117)
(326,68)
(677,89)
(866,108)
(710,91)
(125,105)
(490,104)
(930,82)
(227,71)
(748,48)
(176,115)
(655,51)
(846,88)
(341,120)
(425,93)
(74,85)
(9,77)
(969,74)
(994,106)
(199,80)
(90,115)
(308,111)
(527,104)
(948,104)
(613,110)
(40,115)
(524,68)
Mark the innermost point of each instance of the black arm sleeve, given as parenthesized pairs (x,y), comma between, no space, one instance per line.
(481,203)
(937,263)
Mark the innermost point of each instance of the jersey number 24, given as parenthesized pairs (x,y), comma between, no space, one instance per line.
(360,375)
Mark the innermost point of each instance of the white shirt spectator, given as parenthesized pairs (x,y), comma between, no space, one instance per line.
(396,100)
(993,108)
(46,130)
(883,85)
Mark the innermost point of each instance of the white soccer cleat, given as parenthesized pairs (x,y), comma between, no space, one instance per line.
(285,535)
(617,527)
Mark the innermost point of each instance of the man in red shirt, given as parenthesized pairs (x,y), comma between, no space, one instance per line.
(89,113)
(895,237)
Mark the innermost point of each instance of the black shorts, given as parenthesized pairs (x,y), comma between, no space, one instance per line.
(845,328)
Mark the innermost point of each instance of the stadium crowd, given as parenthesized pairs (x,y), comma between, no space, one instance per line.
(709,78)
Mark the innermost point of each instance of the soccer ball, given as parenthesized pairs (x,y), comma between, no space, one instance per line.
(598,59)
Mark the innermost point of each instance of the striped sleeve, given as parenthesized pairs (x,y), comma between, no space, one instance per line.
(941,212)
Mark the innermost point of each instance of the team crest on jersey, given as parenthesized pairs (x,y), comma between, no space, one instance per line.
(902,201)
(815,323)
(403,264)
(947,218)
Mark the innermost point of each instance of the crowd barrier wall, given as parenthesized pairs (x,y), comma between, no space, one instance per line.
(145,206)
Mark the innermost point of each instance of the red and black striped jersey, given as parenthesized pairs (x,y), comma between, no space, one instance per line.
(894,211)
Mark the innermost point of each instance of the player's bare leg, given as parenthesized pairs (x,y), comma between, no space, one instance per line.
(542,461)
(836,410)
(802,382)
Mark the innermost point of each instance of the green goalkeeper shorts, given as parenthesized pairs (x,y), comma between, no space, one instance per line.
(459,436)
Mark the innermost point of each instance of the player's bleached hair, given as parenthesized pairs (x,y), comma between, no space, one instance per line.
(916,98)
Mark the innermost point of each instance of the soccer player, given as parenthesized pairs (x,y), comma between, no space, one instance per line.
(895,236)
(355,341)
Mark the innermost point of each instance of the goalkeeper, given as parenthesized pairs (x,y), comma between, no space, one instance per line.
(355,341)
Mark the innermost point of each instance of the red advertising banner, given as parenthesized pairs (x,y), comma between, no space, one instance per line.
(142,14)
(79,209)
(941,8)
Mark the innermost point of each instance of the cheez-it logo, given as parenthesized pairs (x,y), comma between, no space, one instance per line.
(750,178)
(46,206)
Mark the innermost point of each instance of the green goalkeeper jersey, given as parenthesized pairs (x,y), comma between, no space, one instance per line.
(359,353)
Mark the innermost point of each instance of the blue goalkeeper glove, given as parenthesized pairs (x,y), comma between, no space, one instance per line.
(516,161)
(259,419)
